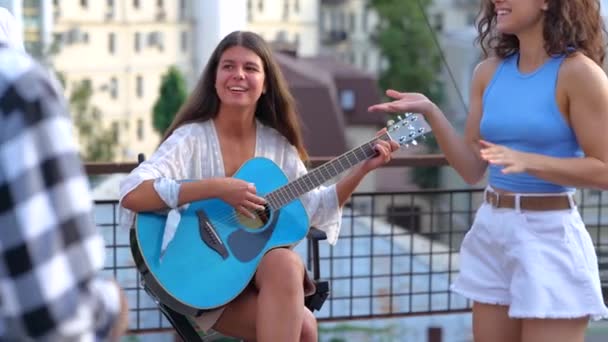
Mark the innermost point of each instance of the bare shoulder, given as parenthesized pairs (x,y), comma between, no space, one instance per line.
(485,70)
(579,72)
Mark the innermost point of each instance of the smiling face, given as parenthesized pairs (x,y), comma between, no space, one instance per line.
(240,78)
(515,16)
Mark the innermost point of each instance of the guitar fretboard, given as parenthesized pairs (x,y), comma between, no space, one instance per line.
(322,174)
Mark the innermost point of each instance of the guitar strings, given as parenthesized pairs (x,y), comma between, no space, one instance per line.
(231,215)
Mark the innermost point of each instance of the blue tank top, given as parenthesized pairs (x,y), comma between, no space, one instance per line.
(520,111)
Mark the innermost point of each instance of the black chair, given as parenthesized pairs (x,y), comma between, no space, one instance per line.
(188,332)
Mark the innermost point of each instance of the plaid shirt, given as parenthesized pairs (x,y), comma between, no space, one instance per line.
(50,251)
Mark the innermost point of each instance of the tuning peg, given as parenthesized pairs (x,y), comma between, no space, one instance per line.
(414,142)
(390,122)
(399,117)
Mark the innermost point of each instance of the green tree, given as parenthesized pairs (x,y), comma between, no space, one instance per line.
(98,143)
(172,95)
(409,48)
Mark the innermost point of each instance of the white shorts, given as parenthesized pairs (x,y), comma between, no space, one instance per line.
(542,264)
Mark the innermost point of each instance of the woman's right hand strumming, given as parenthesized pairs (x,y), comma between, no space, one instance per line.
(241,195)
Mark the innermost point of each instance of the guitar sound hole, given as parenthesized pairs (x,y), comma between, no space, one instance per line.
(261,218)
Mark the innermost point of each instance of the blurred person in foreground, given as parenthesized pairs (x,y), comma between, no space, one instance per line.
(51,253)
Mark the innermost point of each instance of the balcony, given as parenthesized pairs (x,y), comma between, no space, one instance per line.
(396,257)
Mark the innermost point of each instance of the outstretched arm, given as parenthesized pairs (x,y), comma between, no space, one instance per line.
(461,152)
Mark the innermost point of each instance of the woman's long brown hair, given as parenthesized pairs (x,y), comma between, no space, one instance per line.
(276,108)
(569,26)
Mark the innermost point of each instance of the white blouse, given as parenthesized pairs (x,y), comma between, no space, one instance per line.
(193,152)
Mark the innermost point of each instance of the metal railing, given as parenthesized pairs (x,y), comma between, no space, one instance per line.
(396,256)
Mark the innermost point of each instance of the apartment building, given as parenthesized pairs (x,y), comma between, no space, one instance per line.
(346,30)
(287,22)
(121,47)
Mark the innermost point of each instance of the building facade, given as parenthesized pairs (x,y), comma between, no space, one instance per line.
(286,22)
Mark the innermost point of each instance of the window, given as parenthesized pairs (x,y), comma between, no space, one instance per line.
(285,10)
(322,21)
(182,9)
(347,99)
(281,36)
(140,129)
(115,129)
(438,19)
(139,86)
(114,88)
(112,43)
(184,41)
(137,42)
(110,10)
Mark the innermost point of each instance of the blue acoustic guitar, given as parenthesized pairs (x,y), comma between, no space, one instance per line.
(215,251)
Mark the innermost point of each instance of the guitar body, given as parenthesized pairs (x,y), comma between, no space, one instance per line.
(196,272)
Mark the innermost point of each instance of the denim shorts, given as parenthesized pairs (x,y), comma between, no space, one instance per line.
(542,264)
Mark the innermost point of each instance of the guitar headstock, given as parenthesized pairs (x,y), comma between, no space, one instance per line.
(408,128)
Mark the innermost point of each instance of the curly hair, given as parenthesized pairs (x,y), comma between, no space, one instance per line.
(569,26)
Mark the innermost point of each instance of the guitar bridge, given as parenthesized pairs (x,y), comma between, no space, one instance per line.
(209,235)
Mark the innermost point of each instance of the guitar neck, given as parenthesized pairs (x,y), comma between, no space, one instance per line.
(323,173)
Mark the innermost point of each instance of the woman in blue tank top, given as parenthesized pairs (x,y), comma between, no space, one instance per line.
(538,121)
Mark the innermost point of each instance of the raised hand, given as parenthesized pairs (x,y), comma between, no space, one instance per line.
(404,102)
(241,195)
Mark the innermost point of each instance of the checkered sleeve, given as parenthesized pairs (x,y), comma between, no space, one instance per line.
(51,253)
